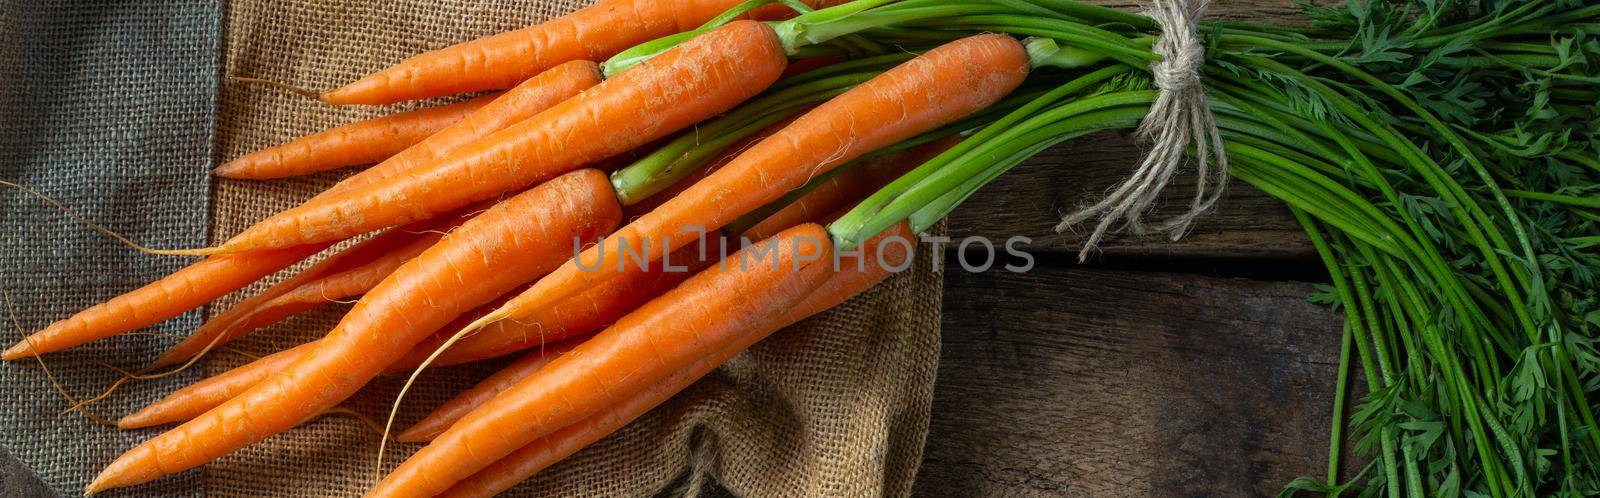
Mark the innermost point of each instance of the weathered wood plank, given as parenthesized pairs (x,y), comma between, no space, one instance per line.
(1078,382)
(1030,200)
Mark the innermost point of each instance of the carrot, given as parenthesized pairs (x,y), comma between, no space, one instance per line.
(857,272)
(446,414)
(585,312)
(848,187)
(524,101)
(218,275)
(199,397)
(351,272)
(292,295)
(593,33)
(361,142)
(711,165)
(698,318)
(163,299)
(931,90)
(693,81)
(508,245)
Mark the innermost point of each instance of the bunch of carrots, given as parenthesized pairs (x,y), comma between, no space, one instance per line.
(801,135)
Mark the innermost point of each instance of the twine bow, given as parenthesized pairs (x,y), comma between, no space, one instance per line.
(1180,116)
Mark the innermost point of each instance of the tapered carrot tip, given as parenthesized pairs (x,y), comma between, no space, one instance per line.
(417,434)
(134,467)
(170,358)
(229,169)
(17,351)
(357,92)
(145,417)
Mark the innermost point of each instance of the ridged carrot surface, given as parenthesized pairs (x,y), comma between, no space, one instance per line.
(184,290)
(936,88)
(711,166)
(361,265)
(506,246)
(498,61)
(361,142)
(215,276)
(848,187)
(671,332)
(693,81)
(854,276)
(202,396)
(589,311)
(449,412)
(523,101)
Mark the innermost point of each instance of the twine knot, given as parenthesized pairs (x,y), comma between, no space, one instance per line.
(1179,117)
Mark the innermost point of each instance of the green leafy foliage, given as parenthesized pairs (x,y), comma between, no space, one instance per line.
(1449,150)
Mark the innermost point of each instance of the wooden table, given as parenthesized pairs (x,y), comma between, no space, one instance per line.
(1166,369)
(1195,368)
(1159,368)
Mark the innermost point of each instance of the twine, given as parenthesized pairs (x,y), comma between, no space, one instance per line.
(1180,116)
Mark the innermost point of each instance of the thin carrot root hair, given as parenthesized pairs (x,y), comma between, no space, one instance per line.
(303,92)
(144,373)
(74,216)
(360,417)
(388,425)
(16,324)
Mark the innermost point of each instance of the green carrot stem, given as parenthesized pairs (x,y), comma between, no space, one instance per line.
(683,155)
(1096,13)
(1569,200)
(1376,381)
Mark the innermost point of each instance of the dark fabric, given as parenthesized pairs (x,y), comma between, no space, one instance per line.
(17,481)
(108,107)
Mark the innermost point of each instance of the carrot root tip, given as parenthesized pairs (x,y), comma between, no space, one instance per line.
(17,351)
(278,85)
(415,435)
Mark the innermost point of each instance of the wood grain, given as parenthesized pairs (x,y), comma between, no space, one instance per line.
(1076,382)
(1029,201)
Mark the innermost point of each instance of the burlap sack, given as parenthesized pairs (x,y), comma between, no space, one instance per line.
(835,406)
(109,107)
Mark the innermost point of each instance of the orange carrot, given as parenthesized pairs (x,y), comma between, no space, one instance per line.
(441,418)
(351,272)
(526,100)
(593,33)
(716,162)
(169,297)
(506,246)
(931,90)
(848,187)
(698,79)
(696,319)
(260,311)
(216,276)
(361,142)
(202,396)
(586,312)
(857,272)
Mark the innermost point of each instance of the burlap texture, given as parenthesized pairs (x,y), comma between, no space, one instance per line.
(835,406)
(107,106)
